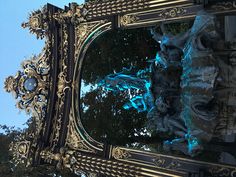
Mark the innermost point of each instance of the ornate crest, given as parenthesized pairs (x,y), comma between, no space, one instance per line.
(30,85)
(37,22)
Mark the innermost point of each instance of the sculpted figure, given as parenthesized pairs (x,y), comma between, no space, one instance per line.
(181,96)
(190,58)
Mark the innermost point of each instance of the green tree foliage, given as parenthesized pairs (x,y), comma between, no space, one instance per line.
(102,113)
(7,167)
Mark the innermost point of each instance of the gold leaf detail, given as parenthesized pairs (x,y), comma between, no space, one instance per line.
(119,153)
(128,19)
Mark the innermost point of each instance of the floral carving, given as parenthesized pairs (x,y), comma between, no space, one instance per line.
(74,140)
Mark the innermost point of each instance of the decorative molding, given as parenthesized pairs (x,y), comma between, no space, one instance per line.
(128,19)
(82,32)
(224,6)
(222,171)
(74,140)
(109,8)
(119,153)
(76,15)
(173,12)
(78,162)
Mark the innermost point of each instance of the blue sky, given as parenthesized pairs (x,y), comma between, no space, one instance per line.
(16,45)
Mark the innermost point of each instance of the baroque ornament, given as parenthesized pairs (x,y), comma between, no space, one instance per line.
(76,14)
(119,153)
(224,5)
(74,139)
(159,161)
(21,151)
(37,22)
(128,19)
(30,88)
(171,13)
(30,85)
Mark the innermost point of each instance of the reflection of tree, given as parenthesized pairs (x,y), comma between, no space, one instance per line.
(104,118)
(117,49)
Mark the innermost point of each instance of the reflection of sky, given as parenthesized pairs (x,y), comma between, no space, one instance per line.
(87,88)
(16,45)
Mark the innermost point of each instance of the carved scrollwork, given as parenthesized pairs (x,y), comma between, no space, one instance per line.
(161,162)
(74,140)
(37,22)
(30,86)
(62,85)
(128,19)
(171,13)
(82,31)
(77,14)
(119,153)
(224,5)
(223,171)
